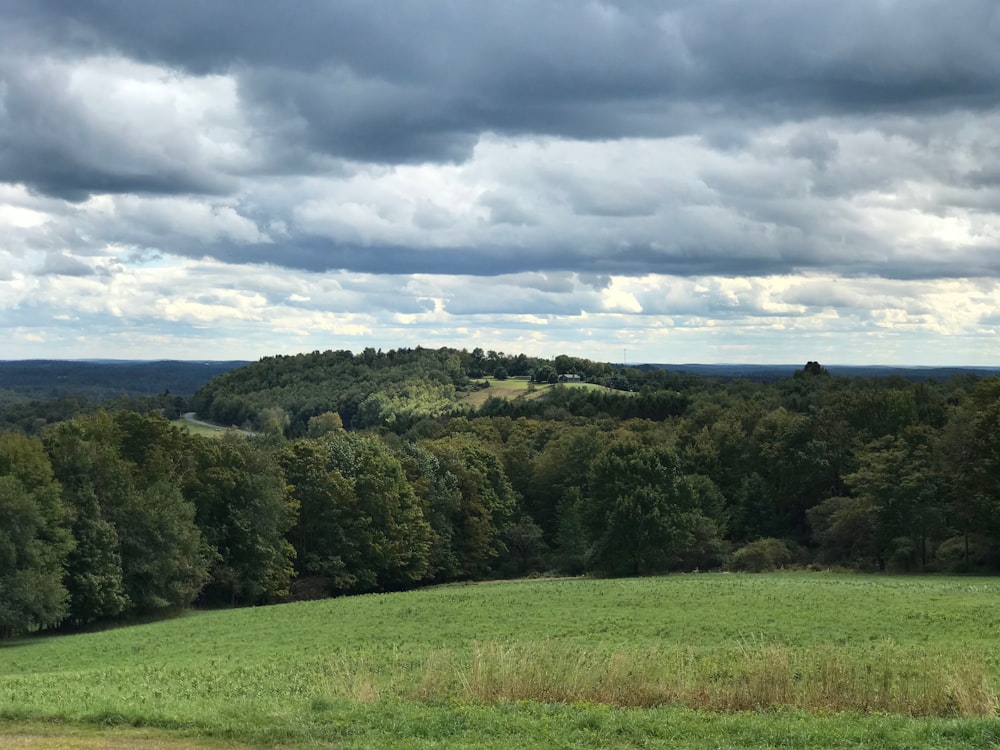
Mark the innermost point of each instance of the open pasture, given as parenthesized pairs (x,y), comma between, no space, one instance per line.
(198,429)
(515,388)
(509,390)
(190,423)
(677,661)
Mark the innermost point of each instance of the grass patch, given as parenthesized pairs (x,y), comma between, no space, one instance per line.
(195,426)
(748,677)
(509,390)
(678,661)
(513,389)
(198,429)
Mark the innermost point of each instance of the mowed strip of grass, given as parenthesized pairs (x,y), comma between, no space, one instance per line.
(455,665)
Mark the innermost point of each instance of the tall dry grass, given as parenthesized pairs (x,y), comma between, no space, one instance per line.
(748,676)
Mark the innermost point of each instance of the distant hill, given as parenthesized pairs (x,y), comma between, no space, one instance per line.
(366,388)
(99,380)
(369,389)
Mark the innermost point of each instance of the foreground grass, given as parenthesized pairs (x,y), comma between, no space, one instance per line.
(398,724)
(790,660)
(885,679)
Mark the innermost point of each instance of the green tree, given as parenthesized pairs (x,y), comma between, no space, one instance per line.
(121,476)
(812,369)
(546,374)
(571,542)
(845,529)
(477,360)
(970,457)
(800,470)
(324,424)
(399,537)
(327,552)
(486,502)
(274,421)
(34,539)
(164,556)
(525,548)
(708,522)
(361,526)
(244,511)
(898,477)
(558,475)
(94,577)
(441,501)
(94,566)
(640,512)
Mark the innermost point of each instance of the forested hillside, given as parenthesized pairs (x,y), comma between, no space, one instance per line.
(365,390)
(367,473)
(371,389)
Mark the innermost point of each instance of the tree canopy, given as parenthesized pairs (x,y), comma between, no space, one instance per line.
(360,479)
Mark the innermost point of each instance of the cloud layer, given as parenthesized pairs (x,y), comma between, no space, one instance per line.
(704,180)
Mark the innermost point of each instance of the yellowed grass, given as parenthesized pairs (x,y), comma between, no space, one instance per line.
(505,389)
(886,679)
(513,389)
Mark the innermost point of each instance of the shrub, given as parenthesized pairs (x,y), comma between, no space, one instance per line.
(960,554)
(761,556)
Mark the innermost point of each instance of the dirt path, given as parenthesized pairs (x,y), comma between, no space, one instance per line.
(56,737)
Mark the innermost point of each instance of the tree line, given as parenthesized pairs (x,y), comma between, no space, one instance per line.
(115,514)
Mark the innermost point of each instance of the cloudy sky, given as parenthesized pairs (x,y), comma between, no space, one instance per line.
(663,180)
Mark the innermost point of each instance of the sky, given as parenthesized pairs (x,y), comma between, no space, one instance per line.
(716,181)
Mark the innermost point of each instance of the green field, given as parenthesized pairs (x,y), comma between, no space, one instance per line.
(197,429)
(709,660)
(515,388)
(195,426)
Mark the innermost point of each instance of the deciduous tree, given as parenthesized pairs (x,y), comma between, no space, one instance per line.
(639,511)
(34,539)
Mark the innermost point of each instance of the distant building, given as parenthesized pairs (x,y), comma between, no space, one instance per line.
(570,378)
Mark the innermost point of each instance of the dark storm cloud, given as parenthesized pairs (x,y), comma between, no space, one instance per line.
(408,82)
(52,141)
(826,136)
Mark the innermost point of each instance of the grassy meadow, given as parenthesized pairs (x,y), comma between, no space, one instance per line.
(198,429)
(703,660)
(518,388)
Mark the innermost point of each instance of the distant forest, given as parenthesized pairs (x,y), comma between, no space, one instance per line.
(22,380)
(38,392)
(376,471)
